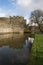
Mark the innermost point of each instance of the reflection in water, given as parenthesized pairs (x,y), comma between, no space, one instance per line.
(12,40)
(14,49)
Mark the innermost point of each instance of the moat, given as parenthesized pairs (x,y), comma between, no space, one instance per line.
(13,49)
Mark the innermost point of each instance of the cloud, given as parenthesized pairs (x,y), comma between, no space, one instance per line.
(12,2)
(23,3)
(28,4)
(24,6)
(2,14)
(10,12)
(0,9)
(7,13)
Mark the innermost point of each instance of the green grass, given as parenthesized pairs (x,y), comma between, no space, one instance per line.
(36,57)
(38,44)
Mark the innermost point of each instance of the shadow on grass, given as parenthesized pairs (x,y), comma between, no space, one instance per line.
(36,60)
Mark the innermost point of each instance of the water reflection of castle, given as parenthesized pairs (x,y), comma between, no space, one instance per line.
(13,40)
(16,56)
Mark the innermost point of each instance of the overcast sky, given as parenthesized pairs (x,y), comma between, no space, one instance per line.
(19,7)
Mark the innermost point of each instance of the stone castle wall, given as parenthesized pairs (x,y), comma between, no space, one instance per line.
(12,24)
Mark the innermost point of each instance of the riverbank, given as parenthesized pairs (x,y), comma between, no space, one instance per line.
(9,33)
(36,57)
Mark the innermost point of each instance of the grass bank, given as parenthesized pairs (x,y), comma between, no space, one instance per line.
(36,57)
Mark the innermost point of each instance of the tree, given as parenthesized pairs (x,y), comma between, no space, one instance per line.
(37,16)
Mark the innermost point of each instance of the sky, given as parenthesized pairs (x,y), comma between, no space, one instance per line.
(19,7)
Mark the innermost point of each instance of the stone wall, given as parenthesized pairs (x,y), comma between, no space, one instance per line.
(12,24)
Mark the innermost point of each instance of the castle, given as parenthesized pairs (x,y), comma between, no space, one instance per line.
(12,24)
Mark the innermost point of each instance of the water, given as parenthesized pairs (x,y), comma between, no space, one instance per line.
(14,50)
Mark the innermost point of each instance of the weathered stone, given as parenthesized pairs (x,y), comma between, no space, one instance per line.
(12,24)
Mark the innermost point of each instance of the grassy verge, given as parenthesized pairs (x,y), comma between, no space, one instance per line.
(36,57)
